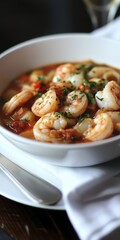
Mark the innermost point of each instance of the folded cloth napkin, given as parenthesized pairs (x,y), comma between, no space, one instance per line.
(92,199)
(92,194)
(111,30)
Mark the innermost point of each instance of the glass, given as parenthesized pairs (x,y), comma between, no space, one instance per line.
(101,11)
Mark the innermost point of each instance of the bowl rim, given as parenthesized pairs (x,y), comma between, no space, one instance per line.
(55,37)
(51,37)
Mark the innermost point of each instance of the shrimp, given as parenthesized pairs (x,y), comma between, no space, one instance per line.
(35,75)
(101,128)
(112,75)
(47,103)
(76,103)
(17,101)
(97,72)
(109,98)
(115,116)
(63,70)
(52,128)
(27,87)
(73,81)
(39,75)
(24,114)
(106,73)
(65,76)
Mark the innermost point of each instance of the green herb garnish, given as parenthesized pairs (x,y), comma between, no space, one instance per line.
(3,100)
(91,98)
(66,114)
(74,138)
(41,77)
(99,98)
(39,94)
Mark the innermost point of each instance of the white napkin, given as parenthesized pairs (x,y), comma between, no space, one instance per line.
(111,30)
(92,194)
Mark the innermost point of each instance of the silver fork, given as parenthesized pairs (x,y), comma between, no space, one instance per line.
(33,187)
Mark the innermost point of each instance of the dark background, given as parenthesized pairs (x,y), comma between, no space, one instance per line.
(21,20)
(25,19)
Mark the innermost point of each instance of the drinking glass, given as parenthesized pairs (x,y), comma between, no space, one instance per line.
(101,11)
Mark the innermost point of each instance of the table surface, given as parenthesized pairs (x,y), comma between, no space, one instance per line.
(20,222)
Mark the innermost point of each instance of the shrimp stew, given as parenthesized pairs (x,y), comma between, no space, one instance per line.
(64,103)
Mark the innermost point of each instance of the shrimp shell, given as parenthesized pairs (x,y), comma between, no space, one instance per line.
(102,128)
(53,127)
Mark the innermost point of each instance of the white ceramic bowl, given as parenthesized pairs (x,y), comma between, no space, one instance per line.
(52,49)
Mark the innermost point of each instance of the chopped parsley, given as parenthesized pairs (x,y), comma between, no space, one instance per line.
(65,90)
(3,100)
(57,114)
(81,94)
(25,120)
(102,83)
(101,99)
(41,77)
(58,79)
(81,119)
(85,69)
(39,94)
(91,85)
(66,114)
(74,97)
(91,98)
(74,138)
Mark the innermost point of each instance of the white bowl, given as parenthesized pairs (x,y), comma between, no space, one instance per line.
(52,49)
